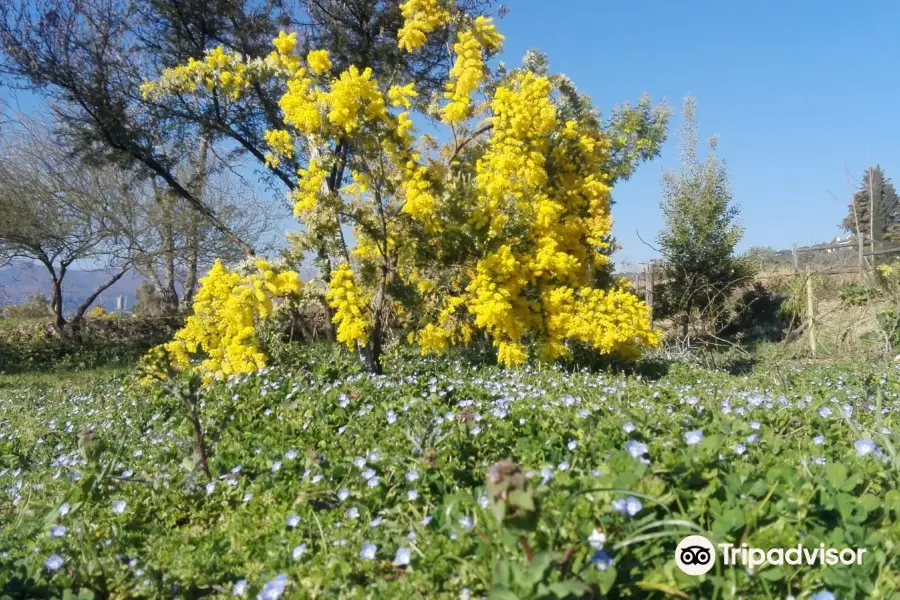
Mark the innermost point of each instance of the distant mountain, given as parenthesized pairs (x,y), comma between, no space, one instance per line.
(21,280)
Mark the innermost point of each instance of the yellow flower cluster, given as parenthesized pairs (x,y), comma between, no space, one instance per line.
(349,304)
(220,69)
(281,143)
(353,98)
(309,187)
(299,105)
(541,194)
(285,42)
(221,330)
(420,17)
(318,61)
(468,70)
(400,95)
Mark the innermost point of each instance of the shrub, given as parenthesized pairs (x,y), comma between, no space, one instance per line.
(36,306)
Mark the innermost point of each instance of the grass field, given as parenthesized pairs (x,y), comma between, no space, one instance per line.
(331,483)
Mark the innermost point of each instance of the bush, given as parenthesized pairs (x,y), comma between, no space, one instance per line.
(858,294)
(36,306)
(30,346)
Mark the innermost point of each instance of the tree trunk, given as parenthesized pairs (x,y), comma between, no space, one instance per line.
(74,326)
(190,279)
(168,293)
(686,321)
(193,241)
(372,355)
(325,265)
(56,303)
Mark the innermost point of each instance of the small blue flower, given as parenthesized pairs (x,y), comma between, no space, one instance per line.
(359,462)
(628,506)
(351,513)
(276,466)
(563,466)
(54,562)
(628,427)
(58,531)
(118,507)
(823,595)
(239,588)
(274,588)
(740,449)
(412,495)
(819,440)
(293,521)
(401,559)
(290,454)
(368,474)
(343,494)
(824,412)
(466,523)
(692,438)
(636,449)
(572,444)
(864,446)
(368,551)
(546,475)
(633,506)
(412,475)
(601,560)
(298,551)
(376,521)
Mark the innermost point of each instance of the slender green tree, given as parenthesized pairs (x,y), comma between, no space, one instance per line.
(885,219)
(701,230)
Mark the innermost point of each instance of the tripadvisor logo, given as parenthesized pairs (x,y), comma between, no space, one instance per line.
(696,555)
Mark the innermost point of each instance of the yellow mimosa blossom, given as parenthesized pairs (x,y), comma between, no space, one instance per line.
(318,61)
(285,42)
(420,17)
(281,143)
(349,305)
(400,95)
(220,332)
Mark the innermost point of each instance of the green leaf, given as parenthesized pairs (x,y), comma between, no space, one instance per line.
(523,499)
(502,573)
(836,474)
(537,569)
(572,587)
(501,594)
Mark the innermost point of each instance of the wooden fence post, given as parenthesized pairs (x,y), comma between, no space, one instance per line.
(648,288)
(795,259)
(811,312)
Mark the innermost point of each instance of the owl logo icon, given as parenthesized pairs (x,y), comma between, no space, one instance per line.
(695,555)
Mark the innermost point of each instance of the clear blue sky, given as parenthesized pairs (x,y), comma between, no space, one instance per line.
(795,90)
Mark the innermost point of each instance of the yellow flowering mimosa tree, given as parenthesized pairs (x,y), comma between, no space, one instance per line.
(501,229)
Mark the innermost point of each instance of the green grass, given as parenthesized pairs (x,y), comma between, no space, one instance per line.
(286,442)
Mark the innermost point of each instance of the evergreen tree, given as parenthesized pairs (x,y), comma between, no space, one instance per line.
(886,217)
(701,232)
